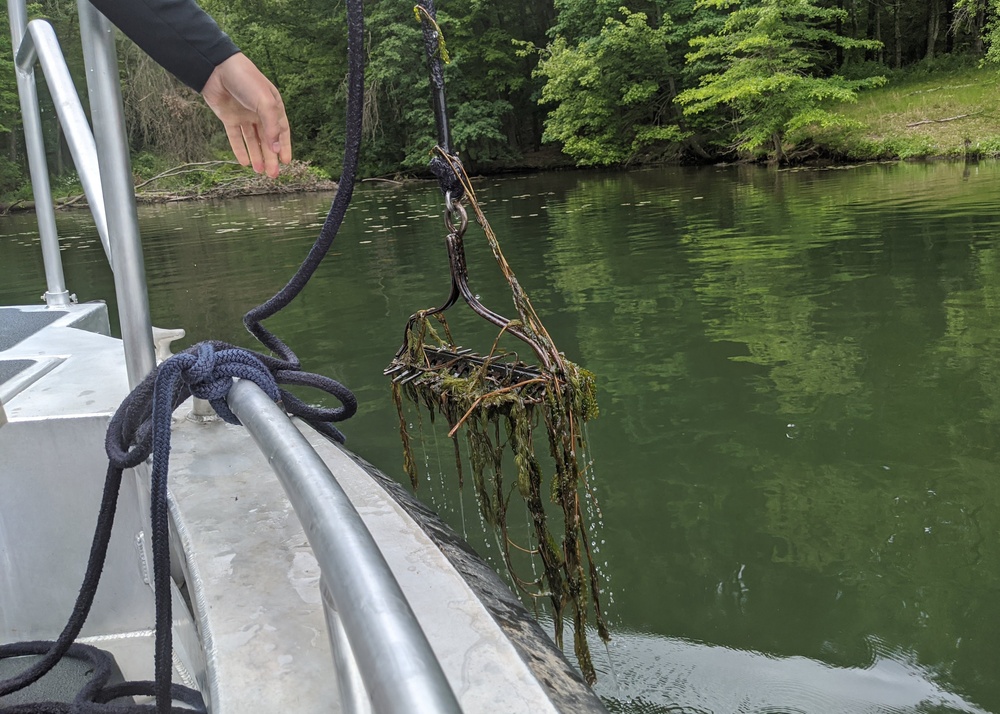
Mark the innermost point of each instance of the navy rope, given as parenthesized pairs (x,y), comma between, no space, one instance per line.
(445,171)
(141,427)
(94,697)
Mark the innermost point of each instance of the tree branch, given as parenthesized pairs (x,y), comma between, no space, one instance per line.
(941,121)
(186,169)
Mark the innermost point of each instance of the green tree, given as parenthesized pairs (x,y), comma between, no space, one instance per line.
(578,20)
(491,88)
(773,54)
(10,111)
(611,93)
(11,175)
(981,18)
(302,48)
(399,121)
(491,92)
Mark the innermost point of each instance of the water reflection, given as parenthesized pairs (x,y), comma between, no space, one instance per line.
(797,453)
(651,674)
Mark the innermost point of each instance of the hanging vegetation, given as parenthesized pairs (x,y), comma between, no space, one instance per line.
(498,402)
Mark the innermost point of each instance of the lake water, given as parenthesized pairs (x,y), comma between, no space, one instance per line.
(797,455)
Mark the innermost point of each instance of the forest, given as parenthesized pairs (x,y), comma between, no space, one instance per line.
(543,83)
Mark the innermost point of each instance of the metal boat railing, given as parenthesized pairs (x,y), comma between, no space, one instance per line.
(102,161)
(384,661)
(400,673)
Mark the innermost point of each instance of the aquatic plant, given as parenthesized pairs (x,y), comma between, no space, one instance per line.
(498,402)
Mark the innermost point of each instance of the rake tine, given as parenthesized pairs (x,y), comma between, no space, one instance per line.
(409,378)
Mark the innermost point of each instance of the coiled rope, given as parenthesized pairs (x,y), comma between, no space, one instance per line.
(141,427)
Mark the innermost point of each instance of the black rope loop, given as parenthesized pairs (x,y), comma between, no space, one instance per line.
(96,693)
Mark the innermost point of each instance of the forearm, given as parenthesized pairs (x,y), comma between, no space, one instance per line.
(178,34)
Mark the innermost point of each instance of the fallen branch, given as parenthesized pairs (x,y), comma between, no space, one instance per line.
(940,121)
(19,202)
(937,89)
(69,201)
(187,169)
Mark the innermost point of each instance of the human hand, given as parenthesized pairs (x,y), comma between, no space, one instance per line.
(252,112)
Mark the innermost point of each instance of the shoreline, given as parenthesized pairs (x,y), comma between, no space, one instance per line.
(256,185)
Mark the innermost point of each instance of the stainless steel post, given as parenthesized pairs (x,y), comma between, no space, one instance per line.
(56,294)
(108,119)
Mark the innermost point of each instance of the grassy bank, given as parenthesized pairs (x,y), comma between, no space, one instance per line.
(921,115)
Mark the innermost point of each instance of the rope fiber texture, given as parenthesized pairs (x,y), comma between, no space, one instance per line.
(444,170)
(141,427)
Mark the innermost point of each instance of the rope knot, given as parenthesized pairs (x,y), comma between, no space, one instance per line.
(200,371)
(209,375)
(446,172)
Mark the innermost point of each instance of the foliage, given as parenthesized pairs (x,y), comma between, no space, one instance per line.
(10,116)
(14,183)
(767,76)
(610,93)
(978,18)
(400,122)
(982,16)
(487,79)
(773,53)
(162,115)
(577,20)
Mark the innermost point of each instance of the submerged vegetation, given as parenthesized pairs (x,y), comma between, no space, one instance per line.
(498,402)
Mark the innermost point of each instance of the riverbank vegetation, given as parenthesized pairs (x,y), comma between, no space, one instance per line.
(542,83)
(948,112)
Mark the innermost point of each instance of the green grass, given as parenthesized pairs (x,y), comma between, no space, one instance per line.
(904,118)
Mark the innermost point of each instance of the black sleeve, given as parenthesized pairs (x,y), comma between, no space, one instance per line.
(178,34)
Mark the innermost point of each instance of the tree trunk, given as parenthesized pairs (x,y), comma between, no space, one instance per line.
(933,27)
(840,32)
(949,22)
(878,33)
(899,34)
(871,29)
(978,43)
(58,153)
